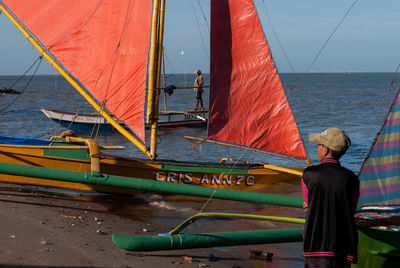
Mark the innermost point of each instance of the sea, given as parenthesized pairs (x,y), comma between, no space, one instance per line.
(354,102)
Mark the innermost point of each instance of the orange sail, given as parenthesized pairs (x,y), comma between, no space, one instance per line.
(247,103)
(103,44)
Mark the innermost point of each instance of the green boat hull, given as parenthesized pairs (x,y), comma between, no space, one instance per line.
(378,248)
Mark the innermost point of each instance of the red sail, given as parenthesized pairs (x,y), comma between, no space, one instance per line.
(103,44)
(247,102)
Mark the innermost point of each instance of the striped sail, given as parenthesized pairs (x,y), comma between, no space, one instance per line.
(380,172)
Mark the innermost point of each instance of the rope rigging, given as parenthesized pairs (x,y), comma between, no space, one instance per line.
(329,38)
(375,121)
(276,37)
(198,26)
(27,84)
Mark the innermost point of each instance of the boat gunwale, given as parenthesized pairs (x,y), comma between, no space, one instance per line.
(161,113)
(184,163)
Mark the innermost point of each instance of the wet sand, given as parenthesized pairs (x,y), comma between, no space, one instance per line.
(40,229)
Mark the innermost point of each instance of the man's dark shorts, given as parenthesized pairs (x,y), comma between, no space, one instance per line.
(320,262)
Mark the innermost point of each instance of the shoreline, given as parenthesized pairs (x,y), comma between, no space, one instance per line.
(41,229)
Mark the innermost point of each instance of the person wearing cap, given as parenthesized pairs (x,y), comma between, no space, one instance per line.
(330,198)
(198,88)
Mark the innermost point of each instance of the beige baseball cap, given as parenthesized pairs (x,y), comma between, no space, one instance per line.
(333,138)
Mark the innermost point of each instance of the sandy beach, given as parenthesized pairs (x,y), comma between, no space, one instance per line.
(40,229)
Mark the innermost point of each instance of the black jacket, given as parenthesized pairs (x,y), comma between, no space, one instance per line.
(330,229)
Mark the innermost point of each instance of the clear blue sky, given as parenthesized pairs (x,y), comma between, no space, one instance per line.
(367,40)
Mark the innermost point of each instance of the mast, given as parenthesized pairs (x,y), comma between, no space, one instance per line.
(157,33)
(160,52)
(73,82)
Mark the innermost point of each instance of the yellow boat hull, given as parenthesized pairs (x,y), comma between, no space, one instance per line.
(244,177)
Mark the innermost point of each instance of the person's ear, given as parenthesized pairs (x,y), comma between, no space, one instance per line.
(327,150)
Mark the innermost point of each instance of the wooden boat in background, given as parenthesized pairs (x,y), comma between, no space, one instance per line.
(85,123)
(5,90)
(248,107)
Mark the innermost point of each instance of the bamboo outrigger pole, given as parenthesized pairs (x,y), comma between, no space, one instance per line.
(72,81)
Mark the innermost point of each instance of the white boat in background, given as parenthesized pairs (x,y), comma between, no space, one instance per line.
(84,123)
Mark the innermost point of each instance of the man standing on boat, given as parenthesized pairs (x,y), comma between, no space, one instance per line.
(331,194)
(198,88)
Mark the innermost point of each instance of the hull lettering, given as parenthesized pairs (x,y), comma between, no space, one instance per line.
(205,179)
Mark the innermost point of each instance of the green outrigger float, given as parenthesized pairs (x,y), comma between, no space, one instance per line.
(176,240)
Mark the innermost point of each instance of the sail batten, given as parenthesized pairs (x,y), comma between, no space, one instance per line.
(247,103)
(380,172)
(113,69)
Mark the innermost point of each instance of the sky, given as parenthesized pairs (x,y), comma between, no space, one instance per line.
(366,41)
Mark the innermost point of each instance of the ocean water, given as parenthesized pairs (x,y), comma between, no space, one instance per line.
(355,102)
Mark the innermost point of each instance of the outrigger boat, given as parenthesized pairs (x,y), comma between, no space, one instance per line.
(85,123)
(379,212)
(102,48)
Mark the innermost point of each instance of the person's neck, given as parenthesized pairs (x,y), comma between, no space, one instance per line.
(330,160)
